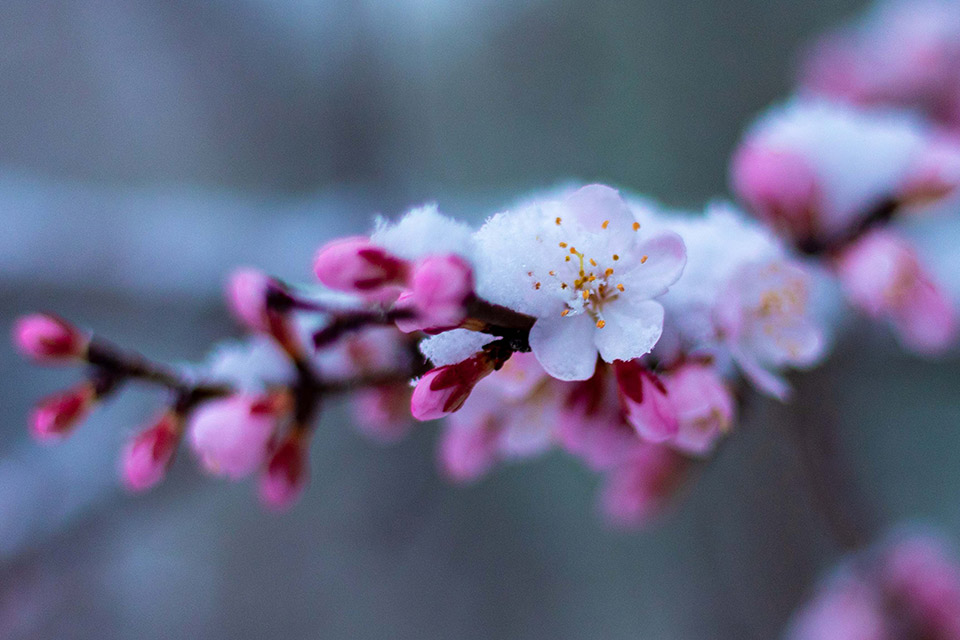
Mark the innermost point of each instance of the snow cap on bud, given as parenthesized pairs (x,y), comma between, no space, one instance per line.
(55,416)
(444,390)
(882,275)
(934,175)
(46,338)
(440,288)
(356,265)
(230,435)
(778,186)
(286,474)
(704,407)
(147,456)
(645,402)
(247,292)
(635,493)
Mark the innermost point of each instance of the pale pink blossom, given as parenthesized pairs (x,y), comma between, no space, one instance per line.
(382,412)
(230,435)
(356,265)
(586,271)
(763,317)
(286,473)
(883,276)
(55,416)
(591,424)
(465,455)
(637,492)
(645,403)
(847,608)
(147,455)
(511,414)
(48,339)
(703,404)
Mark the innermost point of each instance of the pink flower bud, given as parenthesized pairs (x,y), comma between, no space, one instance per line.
(147,456)
(645,402)
(55,416)
(412,322)
(230,435)
(778,187)
(704,407)
(286,474)
(48,339)
(444,390)
(922,577)
(441,287)
(882,275)
(465,454)
(247,292)
(636,492)
(356,265)
(383,412)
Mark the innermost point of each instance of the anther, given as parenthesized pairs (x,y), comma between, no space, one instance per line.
(644,259)
(605,223)
(636,226)
(620,287)
(608,272)
(601,324)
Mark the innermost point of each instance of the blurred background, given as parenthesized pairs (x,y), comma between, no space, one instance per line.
(147,147)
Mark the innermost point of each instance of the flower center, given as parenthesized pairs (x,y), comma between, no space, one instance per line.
(586,283)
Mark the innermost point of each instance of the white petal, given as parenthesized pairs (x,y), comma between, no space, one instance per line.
(631,329)
(666,256)
(564,346)
(595,204)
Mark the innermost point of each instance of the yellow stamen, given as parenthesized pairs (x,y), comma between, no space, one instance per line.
(644,259)
(593,262)
(536,286)
(573,250)
(558,220)
(553,273)
(563,314)
(563,245)
(601,324)
(636,226)
(567,259)
(619,287)
(586,295)
(616,257)
(605,223)
(608,273)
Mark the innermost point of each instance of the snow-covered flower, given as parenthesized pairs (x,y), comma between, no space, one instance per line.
(814,169)
(741,298)
(584,268)
(901,52)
